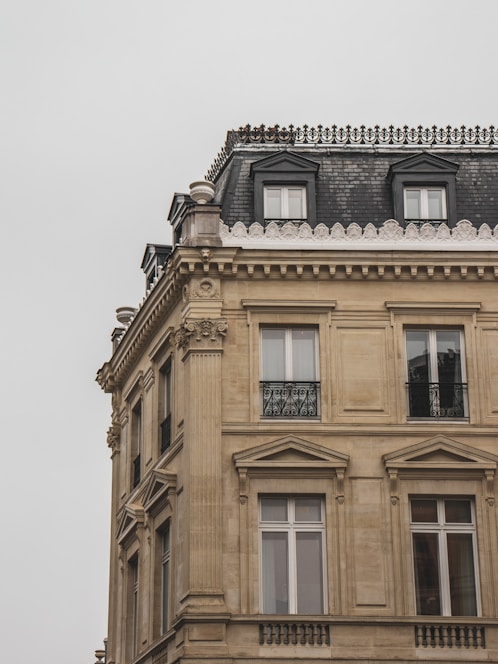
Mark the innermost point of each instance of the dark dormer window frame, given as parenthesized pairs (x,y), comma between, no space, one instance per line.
(424,171)
(287,170)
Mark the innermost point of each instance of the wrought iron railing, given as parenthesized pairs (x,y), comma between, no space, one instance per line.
(298,398)
(334,135)
(136,471)
(165,433)
(437,399)
(282,222)
(449,636)
(294,633)
(435,223)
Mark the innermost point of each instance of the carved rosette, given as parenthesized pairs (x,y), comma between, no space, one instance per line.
(203,333)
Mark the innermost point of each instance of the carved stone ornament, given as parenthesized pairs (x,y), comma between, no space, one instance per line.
(113,437)
(201,289)
(200,332)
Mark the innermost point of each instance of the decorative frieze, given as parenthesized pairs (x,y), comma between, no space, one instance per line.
(390,235)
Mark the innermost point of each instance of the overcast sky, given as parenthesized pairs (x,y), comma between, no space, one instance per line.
(108,107)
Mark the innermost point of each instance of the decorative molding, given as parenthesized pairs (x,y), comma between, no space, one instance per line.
(201,289)
(199,332)
(375,137)
(390,235)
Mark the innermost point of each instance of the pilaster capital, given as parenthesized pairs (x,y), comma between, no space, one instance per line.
(202,334)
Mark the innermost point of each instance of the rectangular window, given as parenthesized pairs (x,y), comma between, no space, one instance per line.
(166,406)
(289,371)
(165,579)
(436,373)
(444,556)
(136,442)
(425,204)
(292,555)
(284,203)
(133,605)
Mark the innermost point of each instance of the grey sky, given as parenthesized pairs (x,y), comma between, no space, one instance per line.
(108,108)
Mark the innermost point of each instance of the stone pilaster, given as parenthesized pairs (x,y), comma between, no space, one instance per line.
(201,341)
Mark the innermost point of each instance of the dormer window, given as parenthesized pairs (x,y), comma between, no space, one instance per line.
(425,204)
(424,190)
(284,189)
(285,203)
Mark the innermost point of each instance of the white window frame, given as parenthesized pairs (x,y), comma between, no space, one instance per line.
(288,368)
(441,528)
(284,201)
(292,527)
(424,201)
(433,361)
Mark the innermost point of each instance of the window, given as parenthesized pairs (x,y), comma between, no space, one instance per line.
(133,604)
(136,443)
(166,406)
(284,188)
(165,577)
(284,203)
(292,555)
(289,386)
(444,555)
(424,189)
(424,204)
(436,373)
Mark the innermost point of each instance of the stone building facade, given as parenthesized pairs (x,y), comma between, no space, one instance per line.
(305,407)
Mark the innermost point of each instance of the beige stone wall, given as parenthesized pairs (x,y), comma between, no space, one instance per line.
(362,454)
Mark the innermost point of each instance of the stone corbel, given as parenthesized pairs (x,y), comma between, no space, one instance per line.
(340,486)
(490,482)
(243,486)
(393,486)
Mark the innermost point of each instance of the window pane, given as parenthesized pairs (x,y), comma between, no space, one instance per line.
(457,511)
(308,509)
(273,209)
(417,352)
(295,203)
(448,356)
(435,203)
(412,204)
(309,573)
(427,586)
(165,596)
(461,574)
(275,573)
(303,355)
(274,509)
(424,511)
(273,354)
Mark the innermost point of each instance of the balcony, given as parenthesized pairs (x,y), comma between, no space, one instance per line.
(298,399)
(437,400)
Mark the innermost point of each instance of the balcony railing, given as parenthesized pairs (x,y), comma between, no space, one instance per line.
(435,223)
(437,400)
(165,433)
(290,398)
(282,222)
(449,636)
(294,634)
(136,471)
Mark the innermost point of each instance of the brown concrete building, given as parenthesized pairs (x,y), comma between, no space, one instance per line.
(305,408)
